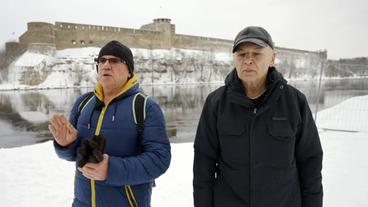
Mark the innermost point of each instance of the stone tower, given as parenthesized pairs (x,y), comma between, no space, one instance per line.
(167,30)
(38,32)
(39,38)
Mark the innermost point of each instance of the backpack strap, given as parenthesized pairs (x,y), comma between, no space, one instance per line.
(139,115)
(84,102)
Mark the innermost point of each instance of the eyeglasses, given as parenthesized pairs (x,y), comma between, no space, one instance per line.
(113,60)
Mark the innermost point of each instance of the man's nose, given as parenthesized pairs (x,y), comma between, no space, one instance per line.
(248,59)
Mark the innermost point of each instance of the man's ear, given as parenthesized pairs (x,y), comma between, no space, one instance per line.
(273,59)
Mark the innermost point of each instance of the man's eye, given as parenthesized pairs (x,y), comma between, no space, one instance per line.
(102,60)
(114,60)
(111,60)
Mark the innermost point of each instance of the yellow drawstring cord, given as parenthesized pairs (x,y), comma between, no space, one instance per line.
(130,195)
(97,132)
(93,193)
(128,190)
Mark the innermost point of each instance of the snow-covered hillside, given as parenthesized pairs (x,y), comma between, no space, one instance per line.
(76,68)
(50,68)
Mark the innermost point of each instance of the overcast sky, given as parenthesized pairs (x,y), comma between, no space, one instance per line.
(340,26)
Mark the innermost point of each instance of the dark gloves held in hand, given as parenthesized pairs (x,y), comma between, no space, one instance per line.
(91,150)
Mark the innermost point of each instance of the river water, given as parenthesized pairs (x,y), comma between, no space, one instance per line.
(24,115)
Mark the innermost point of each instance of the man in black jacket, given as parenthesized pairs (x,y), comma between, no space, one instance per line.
(257,144)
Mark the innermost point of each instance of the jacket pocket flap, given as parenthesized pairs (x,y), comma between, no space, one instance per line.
(280,128)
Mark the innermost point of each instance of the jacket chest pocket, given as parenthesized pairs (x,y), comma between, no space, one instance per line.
(281,141)
(234,142)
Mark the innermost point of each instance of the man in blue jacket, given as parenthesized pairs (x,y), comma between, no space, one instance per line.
(124,174)
(257,144)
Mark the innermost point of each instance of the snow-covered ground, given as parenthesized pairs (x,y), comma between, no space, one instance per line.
(352,115)
(34,176)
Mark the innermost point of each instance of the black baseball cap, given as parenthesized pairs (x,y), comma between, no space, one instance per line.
(254,34)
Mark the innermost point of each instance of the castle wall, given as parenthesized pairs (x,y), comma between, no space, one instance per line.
(202,43)
(70,35)
(160,34)
(42,48)
(12,51)
(157,35)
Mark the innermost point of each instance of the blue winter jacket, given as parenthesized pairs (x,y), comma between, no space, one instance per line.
(126,165)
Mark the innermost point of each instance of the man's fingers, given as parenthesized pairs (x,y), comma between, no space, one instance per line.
(59,120)
(54,131)
(95,166)
(51,128)
(90,166)
(57,126)
(87,172)
(105,157)
(71,129)
(56,123)
(95,170)
(63,119)
(55,120)
(61,124)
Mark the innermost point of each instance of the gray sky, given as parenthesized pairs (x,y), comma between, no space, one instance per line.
(336,25)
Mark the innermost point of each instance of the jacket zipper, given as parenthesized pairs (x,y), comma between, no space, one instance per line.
(251,135)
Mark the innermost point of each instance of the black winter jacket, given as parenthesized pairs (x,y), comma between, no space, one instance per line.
(257,157)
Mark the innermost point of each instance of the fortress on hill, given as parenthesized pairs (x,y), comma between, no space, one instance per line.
(157,35)
(160,34)
(46,38)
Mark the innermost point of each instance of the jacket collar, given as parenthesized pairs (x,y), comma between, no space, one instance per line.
(130,87)
(232,79)
(236,91)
